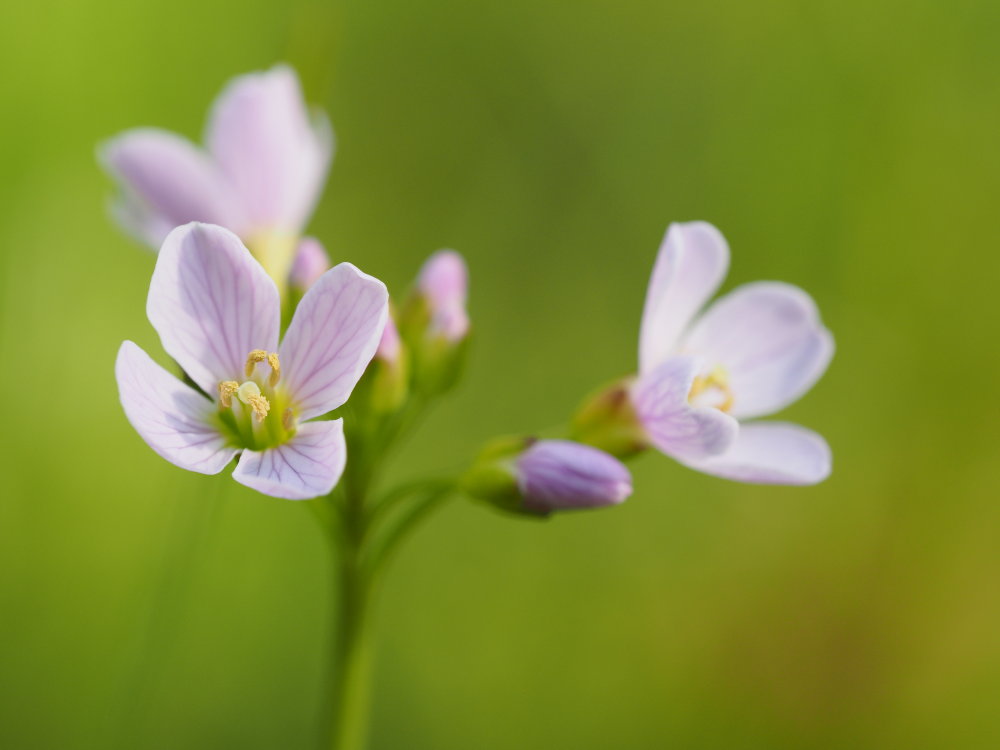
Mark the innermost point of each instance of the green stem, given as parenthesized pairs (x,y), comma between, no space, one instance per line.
(411,518)
(352,654)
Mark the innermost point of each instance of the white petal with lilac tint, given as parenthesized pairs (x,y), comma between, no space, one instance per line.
(173,419)
(771,453)
(332,338)
(166,181)
(211,303)
(674,426)
(307,466)
(769,338)
(275,156)
(690,266)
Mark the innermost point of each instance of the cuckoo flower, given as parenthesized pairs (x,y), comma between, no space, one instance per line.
(217,314)
(260,174)
(705,376)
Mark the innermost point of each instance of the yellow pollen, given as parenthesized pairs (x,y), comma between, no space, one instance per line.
(288,420)
(257,355)
(275,376)
(249,394)
(717,379)
(226,390)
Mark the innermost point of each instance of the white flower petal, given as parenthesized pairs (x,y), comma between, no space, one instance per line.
(332,338)
(173,419)
(307,466)
(769,338)
(692,262)
(275,156)
(211,303)
(674,426)
(771,453)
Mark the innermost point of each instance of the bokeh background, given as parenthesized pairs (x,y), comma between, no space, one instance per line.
(849,147)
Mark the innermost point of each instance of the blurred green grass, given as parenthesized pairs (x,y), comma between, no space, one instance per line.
(846,147)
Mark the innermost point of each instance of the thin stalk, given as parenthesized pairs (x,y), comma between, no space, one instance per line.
(407,523)
(352,656)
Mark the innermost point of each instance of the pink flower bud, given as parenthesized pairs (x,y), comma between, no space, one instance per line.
(389,346)
(444,282)
(311,262)
(563,475)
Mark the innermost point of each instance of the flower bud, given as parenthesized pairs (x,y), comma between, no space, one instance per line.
(607,420)
(563,475)
(536,478)
(389,347)
(311,262)
(434,323)
(389,371)
(444,284)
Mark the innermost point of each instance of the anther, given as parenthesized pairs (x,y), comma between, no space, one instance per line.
(288,420)
(718,379)
(257,355)
(275,376)
(226,390)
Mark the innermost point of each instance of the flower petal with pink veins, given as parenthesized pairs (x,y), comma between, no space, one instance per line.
(332,338)
(769,338)
(211,303)
(173,419)
(166,181)
(273,153)
(307,466)
(771,453)
(674,426)
(690,266)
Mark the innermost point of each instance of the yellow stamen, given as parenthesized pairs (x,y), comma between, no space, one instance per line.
(718,379)
(275,376)
(249,394)
(226,390)
(257,355)
(288,420)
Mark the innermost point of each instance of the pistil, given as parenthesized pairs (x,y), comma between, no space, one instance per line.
(249,394)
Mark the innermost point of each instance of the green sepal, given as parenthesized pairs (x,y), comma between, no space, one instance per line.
(607,420)
(492,479)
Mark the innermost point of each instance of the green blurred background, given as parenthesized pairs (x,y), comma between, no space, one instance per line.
(849,147)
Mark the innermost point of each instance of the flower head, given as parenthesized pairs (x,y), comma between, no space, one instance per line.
(260,174)
(217,314)
(703,374)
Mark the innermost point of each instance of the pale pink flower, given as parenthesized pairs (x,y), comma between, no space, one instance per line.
(260,174)
(217,314)
(706,375)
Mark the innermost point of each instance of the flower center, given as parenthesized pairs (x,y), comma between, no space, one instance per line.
(255,412)
(712,390)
